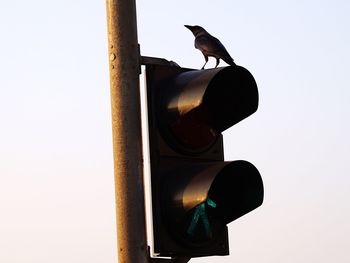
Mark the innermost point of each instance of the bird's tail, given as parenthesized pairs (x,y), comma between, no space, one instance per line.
(229,61)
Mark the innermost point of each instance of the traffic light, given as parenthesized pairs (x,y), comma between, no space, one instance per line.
(195,193)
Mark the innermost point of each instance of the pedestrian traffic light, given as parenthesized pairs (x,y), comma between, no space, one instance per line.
(195,193)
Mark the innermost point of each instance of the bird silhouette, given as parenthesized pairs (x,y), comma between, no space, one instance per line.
(210,46)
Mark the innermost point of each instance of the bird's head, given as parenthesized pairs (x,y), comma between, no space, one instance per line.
(196,30)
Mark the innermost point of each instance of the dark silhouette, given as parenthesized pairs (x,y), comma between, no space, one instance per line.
(210,46)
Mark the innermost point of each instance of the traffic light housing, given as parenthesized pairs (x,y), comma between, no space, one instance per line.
(195,193)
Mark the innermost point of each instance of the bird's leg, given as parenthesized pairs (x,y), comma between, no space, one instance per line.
(206,60)
(217,62)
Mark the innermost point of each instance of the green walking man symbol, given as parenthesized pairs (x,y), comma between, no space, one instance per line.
(200,213)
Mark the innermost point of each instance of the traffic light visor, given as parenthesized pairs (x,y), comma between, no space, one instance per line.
(236,190)
(197,105)
(208,196)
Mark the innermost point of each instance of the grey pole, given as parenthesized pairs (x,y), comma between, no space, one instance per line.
(124,66)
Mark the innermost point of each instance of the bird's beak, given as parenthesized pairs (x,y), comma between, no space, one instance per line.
(190,28)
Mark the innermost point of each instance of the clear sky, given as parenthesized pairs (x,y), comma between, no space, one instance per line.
(56,170)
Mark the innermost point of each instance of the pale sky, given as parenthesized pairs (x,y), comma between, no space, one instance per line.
(56,169)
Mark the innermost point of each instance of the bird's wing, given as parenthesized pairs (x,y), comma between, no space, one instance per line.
(211,46)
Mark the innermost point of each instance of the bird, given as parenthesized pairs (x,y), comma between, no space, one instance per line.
(210,46)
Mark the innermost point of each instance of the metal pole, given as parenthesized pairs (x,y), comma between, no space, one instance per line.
(126,127)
